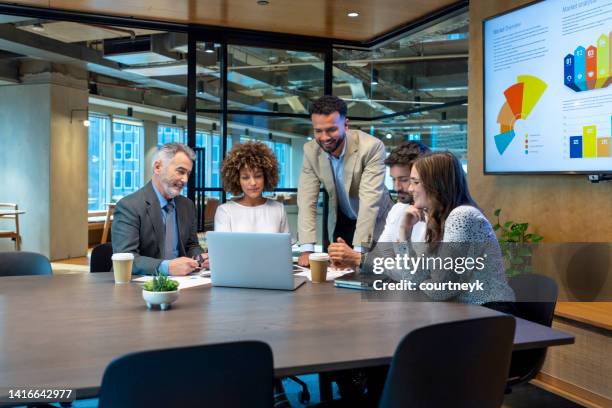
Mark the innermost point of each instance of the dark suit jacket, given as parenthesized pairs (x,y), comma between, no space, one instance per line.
(138,228)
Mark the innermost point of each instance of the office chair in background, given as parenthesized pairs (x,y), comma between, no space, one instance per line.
(24,263)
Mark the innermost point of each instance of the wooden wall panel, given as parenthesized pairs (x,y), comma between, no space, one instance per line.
(584,364)
(561,208)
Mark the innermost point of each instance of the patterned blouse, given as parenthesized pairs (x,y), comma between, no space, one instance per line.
(469,254)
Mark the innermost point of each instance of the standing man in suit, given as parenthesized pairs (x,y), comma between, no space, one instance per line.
(350,165)
(156,223)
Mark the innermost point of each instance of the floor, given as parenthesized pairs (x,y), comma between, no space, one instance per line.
(72,265)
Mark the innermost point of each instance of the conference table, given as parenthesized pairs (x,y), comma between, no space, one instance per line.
(63,330)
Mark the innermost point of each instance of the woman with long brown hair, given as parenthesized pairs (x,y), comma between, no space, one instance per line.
(456,230)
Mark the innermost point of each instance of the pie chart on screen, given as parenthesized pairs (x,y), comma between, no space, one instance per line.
(521,98)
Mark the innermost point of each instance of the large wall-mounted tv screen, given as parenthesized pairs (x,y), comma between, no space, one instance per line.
(548,88)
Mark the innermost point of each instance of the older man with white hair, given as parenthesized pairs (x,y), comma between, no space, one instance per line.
(156,223)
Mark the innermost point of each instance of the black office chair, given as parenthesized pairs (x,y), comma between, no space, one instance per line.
(456,364)
(24,263)
(101,258)
(536,298)
(222,375)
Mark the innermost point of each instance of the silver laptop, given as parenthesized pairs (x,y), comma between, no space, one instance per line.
(252,260)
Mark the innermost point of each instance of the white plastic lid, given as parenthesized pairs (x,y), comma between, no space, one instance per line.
(125,256)
(320,256)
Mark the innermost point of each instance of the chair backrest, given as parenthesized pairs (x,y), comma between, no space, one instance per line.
(24,263)
(456,364)
(209,212)
(8,206)
(536,298)
(232,375)
(15,218)
(107,223)
(101,258)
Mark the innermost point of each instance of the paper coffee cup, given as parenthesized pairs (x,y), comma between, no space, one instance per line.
(318,266)
(122,267)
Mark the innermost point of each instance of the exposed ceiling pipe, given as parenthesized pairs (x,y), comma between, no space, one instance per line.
(116,29)
(360,61)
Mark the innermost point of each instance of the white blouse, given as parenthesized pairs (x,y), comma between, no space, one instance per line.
(267,217)
(394,226)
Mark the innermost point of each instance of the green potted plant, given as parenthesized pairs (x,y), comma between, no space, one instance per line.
(161,290)
(517,245)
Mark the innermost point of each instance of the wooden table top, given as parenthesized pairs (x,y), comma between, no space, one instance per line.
(63,330)
(598,314)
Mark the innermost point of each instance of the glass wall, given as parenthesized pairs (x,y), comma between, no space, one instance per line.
(120,140)
(98,144)
(127,139)
(414,88)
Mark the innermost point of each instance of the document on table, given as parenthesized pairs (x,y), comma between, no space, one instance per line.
(332,273)
(185,282)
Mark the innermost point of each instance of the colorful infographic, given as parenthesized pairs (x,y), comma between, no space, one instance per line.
(589,68)
(521,98)
(534,122)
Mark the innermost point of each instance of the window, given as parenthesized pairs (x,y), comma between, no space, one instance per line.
(117,179)
(170,134)
(97,179)
(127,179)
(129,134)
(127,149)
(117,151)
(212,143)
(119,140)
(283,155)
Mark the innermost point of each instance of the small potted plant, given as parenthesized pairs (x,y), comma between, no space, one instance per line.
(517,245)
(161,290)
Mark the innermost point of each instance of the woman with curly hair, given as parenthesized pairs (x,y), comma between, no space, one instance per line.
(249,170)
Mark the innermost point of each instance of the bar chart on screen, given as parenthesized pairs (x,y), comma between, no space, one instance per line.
(588,141)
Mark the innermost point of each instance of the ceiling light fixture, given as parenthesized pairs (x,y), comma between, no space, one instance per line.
(352,14)
(209,48)
(389,136)
(38,27)
(374,76)
(263,2)
(86,123)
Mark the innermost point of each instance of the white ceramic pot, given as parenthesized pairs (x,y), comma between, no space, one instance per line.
(163,299)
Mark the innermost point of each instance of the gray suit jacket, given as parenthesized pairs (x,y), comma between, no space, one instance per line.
(138,228)
(364,177)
